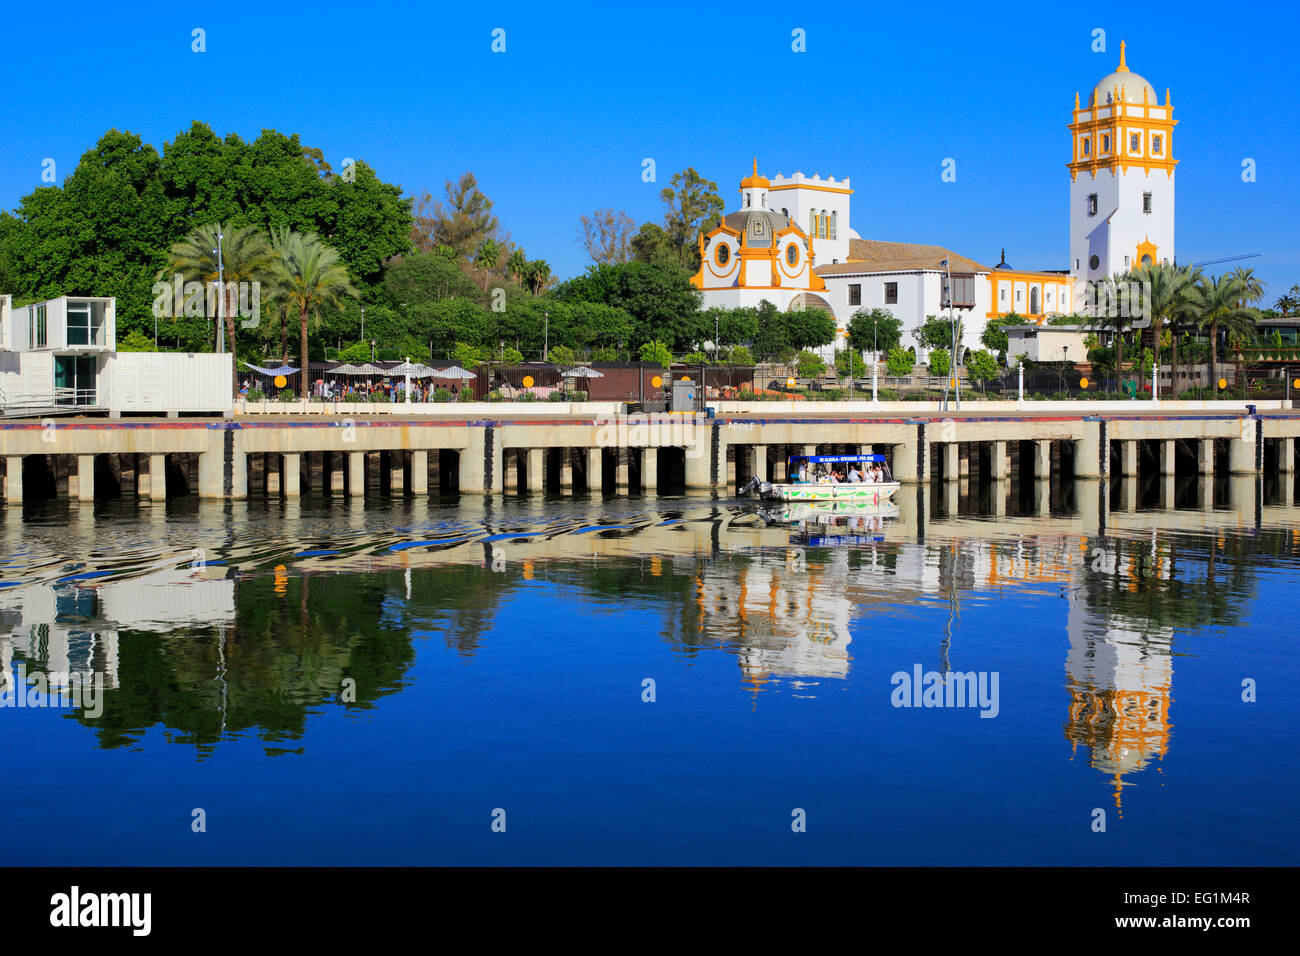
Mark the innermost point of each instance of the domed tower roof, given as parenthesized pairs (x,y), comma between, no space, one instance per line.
(758,226)
(1122,83)
(755,180)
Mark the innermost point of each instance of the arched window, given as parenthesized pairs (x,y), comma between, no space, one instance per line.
(812,223)
(834,217)
(1033,301)
(825,221)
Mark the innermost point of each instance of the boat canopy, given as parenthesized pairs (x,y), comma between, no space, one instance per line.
(836,459)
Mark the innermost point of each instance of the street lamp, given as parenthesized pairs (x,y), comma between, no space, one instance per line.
(363,323)
(221,295)
(372,350)
(1065,358)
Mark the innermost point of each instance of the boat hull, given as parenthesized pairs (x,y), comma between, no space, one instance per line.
(866,493)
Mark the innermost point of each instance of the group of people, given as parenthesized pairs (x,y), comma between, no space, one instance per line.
(326,391)
(865,472)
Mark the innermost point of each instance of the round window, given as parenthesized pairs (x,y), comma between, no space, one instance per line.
(723,255)
(1094,262)
(792,255)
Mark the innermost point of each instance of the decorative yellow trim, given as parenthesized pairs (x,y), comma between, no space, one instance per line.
(820,189)
(1146,247)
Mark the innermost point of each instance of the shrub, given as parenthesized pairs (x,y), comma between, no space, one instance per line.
(441,394)
(512,356)
(740,356)
(287,395)
(604,355)
(810,364)
(381,397)
(656,351)
(465,355)
(939,364)
(900,362)
(562,355)
(851,363)
(694,358)
(256,395)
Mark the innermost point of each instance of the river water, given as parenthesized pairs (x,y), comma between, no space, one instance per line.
(1078,675)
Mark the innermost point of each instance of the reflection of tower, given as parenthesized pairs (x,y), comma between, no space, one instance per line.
(1119,679)
(788,616)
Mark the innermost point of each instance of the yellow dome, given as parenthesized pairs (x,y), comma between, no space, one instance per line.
(761,182)
(1122,83)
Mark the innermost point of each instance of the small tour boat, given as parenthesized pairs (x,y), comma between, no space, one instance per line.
(809,479)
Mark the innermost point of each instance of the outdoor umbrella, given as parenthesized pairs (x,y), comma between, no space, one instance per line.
(583,372)
(454,371)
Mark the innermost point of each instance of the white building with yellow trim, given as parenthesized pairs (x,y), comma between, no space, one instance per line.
(792,242)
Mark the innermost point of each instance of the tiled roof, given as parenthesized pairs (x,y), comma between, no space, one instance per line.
(871,255)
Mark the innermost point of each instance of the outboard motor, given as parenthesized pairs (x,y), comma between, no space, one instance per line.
(756,484)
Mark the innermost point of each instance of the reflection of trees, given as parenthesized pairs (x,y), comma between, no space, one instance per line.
(292,645)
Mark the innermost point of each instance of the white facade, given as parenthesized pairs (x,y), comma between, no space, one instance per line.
(911,297)
(59,355)
(1046,343)
(1122,172)
(820,207)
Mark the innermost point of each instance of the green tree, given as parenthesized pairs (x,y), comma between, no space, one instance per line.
(425,277)
(655,351)
(876,329)
(771,338)
(740,355)
(461,221)
(939,362)
(660,300)
(692,204)
(994,338)
(1217,303)
(900,362)
(309,274)
(809,328)
(849,363)
(982,367)
(562,355)
(809,364)
(465,355)
(935,333)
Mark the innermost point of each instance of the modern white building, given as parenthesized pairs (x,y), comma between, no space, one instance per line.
(61,355)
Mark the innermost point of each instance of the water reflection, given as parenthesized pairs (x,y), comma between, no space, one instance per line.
(246,620)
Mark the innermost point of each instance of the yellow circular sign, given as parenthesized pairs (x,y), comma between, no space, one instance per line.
(789,382)
(656,381)
(1296,383)
(1223,383)
(1083,383)
(528,381)
(684,378)
(952,383)
(281,381)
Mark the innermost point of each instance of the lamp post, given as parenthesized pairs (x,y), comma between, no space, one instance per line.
(363,323)
(372,350)
(1065,357)
(546,333)
(221,295)
(875,360)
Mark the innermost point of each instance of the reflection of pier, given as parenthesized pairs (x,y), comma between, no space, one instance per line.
(75,628)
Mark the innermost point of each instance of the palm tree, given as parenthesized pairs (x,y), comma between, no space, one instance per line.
(517,264)
(488,255)
(1217,303)
(538,275)
(1114,314)
(309,275)
(1288,301)
(244,256)
(1167,288)
(282,238)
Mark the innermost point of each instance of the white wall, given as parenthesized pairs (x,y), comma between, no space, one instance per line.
(168,382)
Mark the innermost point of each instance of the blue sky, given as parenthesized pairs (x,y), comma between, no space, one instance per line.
(559,124)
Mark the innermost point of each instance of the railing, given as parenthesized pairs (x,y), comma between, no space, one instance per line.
(62,400)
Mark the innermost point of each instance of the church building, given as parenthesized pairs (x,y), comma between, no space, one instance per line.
(791,242)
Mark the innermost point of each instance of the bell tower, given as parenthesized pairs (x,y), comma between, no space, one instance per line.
(1121,176)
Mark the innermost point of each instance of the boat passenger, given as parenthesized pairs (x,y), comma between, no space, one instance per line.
(855,476)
